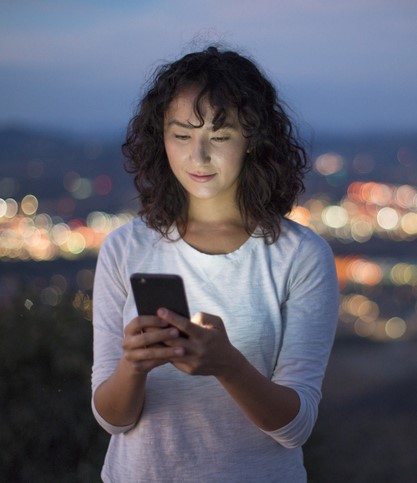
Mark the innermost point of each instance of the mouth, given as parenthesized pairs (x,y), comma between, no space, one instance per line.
(201,178)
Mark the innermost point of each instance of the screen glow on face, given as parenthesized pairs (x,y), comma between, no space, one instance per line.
(205,161)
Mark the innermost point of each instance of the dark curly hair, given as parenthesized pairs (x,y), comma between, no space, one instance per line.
(273,170)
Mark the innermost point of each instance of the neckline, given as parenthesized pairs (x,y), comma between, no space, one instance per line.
(245,247)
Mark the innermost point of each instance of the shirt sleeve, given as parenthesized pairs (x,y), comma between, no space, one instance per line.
(109,296)
(309,316)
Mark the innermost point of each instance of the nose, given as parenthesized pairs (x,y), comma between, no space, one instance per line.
(200,151)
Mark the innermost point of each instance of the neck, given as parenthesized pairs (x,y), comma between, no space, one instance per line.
(215,231)
(215,227)
(213,213)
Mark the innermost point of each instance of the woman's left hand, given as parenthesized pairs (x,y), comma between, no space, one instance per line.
(207,349)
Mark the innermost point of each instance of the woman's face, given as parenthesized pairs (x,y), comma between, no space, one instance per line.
(207,163)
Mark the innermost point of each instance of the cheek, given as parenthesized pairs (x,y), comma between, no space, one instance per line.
(171,153)
(174,161)
(237,157)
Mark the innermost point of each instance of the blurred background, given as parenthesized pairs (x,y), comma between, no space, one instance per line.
(71,74)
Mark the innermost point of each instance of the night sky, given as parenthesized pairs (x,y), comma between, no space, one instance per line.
(342,66)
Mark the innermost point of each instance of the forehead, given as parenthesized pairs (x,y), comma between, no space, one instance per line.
(184,102)
(183,107)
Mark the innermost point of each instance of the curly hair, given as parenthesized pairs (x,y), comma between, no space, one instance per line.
(272,174)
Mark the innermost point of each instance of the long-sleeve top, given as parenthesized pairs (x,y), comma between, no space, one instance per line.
(279,304)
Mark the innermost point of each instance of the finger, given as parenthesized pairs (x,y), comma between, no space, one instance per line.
(162,353)
(152,337)
(160,336)
(142,322)
(181,323)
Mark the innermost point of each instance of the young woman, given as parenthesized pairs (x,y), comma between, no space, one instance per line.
(217,168)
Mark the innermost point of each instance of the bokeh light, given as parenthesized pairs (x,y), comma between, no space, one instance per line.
(11,208)
(29,205)
(363,163)
(335,216)
(407,156)
(388,218)
(329,163)
(395,327)
(366,211)
(102,185)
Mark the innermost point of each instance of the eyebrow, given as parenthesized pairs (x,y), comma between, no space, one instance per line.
(187,125)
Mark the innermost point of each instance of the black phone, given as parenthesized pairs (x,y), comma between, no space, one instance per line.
(155,290)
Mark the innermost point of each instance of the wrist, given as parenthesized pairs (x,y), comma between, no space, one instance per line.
(233,368)
(132,370)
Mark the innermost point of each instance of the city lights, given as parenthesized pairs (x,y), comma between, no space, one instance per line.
(28,235)
(368,210)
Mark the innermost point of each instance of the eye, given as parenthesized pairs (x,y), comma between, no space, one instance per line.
(181,137)
(220,139)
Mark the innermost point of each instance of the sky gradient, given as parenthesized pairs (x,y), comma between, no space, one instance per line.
(344,66)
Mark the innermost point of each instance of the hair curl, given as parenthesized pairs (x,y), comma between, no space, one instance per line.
(272,174)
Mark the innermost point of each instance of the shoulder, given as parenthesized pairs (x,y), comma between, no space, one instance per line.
(310,256)
(300,237)
(125,231)
(131,235)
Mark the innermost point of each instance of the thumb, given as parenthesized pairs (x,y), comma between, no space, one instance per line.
(207,321)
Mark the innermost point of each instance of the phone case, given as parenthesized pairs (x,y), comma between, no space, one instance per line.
(153,291)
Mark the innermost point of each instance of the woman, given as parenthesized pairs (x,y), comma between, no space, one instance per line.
(217,168)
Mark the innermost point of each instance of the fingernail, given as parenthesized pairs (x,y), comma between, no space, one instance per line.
(173,332)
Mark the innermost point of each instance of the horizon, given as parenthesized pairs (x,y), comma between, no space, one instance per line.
(117,133)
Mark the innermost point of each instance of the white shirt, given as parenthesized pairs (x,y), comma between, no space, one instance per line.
(279,305)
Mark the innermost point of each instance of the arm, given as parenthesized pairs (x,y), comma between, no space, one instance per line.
(122,411)
(268,405)
(119,399)
(286,406)
(208,351)
(122,357)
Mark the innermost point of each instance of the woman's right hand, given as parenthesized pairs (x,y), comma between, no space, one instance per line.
(143,344)
(119,400)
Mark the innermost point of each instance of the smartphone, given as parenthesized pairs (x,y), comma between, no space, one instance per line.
(154,290)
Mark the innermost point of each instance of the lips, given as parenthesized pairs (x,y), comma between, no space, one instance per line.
(201,178)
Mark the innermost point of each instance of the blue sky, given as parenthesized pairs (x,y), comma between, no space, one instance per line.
(343,66)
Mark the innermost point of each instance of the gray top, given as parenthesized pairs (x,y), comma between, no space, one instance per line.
(279,304)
